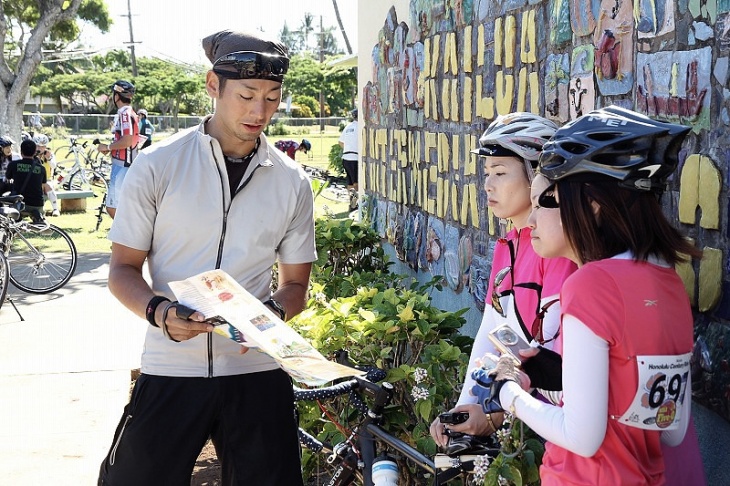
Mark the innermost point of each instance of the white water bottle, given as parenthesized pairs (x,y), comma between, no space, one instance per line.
(385,472)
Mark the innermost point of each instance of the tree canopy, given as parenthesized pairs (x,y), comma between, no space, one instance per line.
(27,28)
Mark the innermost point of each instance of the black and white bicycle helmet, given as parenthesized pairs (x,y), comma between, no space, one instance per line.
(5,142)
(124,88)
(522,133)
(615,142)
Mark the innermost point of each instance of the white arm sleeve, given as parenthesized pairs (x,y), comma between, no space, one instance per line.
(673,438)
(482,345)
(580,425)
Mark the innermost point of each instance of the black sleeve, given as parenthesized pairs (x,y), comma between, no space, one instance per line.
(545,370)
(10,171)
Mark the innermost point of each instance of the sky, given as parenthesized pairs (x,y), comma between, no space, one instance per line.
(173,29)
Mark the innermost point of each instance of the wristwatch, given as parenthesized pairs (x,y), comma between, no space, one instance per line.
(277,307)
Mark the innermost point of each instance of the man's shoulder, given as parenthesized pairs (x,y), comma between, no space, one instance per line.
(173,143)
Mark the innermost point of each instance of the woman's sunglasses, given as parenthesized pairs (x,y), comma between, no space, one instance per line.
(547,198)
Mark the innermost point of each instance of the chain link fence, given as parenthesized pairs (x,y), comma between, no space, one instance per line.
(79,124)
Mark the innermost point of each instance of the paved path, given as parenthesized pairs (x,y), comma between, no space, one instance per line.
(64,378)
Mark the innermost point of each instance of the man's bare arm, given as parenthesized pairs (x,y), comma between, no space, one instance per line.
(128,285)
(293,287)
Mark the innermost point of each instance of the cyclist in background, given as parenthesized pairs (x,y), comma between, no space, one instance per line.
(49,164)
(523,288)
(146,129)
(350,142)
(6,144)
(124,148)
(290,147)
(627,322)
(28,177)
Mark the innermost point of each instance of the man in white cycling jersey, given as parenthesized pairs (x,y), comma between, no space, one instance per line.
(215,196)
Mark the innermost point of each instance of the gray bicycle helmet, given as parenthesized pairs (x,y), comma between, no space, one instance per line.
(615,142)
(521,133)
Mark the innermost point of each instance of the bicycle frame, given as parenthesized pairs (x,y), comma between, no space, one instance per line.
(366,435)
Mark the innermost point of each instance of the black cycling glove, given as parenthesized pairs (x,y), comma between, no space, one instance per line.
(545,370)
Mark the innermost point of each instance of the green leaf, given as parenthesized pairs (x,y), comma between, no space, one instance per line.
(510,472)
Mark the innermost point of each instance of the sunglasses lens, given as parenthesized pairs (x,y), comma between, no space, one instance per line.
(547,198)
(252,65)
(499,278)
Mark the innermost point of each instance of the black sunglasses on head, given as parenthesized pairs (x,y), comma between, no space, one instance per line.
(252,65)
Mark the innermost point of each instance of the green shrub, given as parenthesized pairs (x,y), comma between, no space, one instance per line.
(277,129)
(394,326)
(345,248)
(384,320)
(335,158)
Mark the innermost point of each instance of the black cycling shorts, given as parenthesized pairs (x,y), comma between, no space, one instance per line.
(250,418)
(350,171)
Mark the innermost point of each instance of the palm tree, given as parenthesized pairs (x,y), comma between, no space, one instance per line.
(306,28)
(342,27)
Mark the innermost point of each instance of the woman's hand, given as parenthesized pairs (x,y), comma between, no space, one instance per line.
(478,424)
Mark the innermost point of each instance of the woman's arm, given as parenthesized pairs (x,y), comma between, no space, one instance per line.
(580,425)
(482,345)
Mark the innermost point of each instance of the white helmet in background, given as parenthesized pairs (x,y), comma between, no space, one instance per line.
(519,135)
(41,140)
(522,133)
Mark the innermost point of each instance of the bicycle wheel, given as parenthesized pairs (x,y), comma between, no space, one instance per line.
(41,259)
(86,180)
(4,275)
(63,152)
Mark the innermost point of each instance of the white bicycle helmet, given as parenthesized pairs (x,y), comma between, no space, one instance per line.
(522,133)
(615,142)
(41,140)
(142,112)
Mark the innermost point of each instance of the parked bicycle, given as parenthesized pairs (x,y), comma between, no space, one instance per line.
(80,172)
(41,257)
(369,450)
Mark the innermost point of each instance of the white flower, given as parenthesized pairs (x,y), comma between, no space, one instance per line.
(481,466)
(420,393)
(420,375)
(321,297)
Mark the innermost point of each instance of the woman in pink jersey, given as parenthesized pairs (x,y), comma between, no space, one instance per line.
(626,318)
(522,284)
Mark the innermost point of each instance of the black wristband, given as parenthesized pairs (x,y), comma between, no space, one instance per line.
(152,308)
(277,307)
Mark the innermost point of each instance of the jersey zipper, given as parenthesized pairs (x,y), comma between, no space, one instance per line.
(221,241)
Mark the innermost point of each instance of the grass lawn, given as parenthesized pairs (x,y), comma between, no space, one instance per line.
(81,225)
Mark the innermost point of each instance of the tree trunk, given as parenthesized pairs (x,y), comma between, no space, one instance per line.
(14,84)
(342,27)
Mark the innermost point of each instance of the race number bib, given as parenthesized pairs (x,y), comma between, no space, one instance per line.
(660,397)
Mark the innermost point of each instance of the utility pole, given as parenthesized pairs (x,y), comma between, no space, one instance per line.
(321,62)
(131,39)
